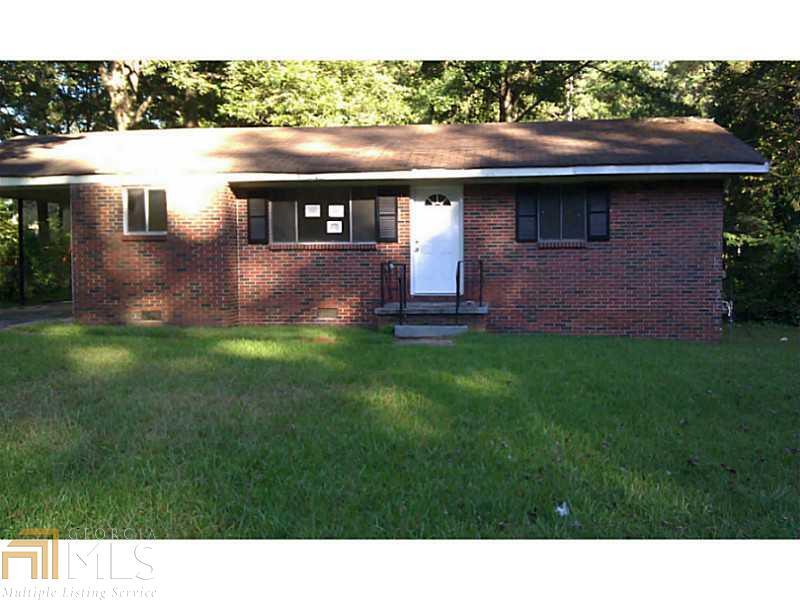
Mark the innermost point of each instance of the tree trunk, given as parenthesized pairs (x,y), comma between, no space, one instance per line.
(570,94)
(121,81)
(506,100)
(43,221)
(190,112)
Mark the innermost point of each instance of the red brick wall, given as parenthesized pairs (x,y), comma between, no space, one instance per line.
(659,275)
(289,283)
(189,275)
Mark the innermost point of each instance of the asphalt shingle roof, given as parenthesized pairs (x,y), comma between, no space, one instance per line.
(662,141)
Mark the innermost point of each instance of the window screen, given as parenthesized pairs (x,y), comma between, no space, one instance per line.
(283,221)
(157,210)
(573,199)
(146,210)
(550,213)
(363,212)
(136,211)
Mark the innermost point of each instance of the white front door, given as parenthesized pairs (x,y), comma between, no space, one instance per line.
(436,238)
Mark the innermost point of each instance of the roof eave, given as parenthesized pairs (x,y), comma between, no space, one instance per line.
(722,169)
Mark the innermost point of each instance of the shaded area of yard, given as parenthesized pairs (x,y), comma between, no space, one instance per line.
(321,432)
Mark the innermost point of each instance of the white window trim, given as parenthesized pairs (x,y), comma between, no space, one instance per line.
(146,211)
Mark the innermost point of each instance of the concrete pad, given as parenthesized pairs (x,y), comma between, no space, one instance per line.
(423,342)
(53,311)
(428,331)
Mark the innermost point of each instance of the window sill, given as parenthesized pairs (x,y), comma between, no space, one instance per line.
(324,246)
(546,244)
(144,237)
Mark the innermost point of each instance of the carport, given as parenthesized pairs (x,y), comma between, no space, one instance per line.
(34,207)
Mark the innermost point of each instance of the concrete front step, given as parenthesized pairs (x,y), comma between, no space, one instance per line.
(467,307)
(428,331)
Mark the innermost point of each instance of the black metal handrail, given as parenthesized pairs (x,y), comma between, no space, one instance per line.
(464,279)
(394,286)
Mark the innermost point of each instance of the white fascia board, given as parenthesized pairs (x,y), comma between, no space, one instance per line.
(684,169)
(55,180)
(413,174)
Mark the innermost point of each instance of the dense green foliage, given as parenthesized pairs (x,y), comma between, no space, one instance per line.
(758,101)
(38,97)
(47,265)
(8,247)
(317,433)
(314,94)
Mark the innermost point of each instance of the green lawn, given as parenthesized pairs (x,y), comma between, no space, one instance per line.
(322,432)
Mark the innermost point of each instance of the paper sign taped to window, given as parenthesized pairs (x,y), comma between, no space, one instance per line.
(336,211)
(333,227)
(313,210)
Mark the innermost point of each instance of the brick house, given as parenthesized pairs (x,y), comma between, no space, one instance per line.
(587,227)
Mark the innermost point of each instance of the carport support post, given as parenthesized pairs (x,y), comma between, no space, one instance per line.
(21,247)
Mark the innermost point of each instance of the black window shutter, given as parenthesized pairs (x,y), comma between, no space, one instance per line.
(527,215)
(597,224)
(257,225)
(386,218)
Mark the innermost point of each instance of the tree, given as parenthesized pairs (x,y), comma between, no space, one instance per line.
(186,93)
(637,89)
(314,93)
(486,91)
(39,97)
(122,80)
(760,103)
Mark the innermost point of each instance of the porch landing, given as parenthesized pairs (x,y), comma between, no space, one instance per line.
(418,332)
(433,308)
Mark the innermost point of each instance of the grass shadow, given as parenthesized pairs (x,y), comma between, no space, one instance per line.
(268,432)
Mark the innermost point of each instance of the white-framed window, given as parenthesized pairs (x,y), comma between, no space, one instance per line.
(144,210)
